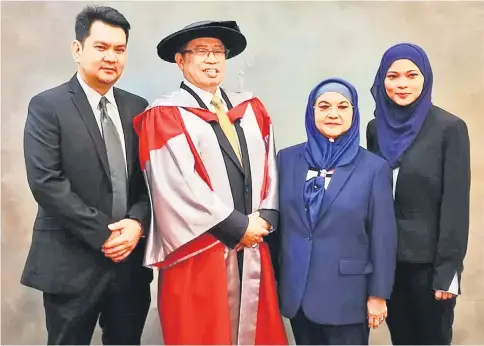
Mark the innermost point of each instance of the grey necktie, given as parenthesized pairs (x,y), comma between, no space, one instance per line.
(117,166)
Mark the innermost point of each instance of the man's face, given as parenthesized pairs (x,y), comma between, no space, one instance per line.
(203,63)
(102,56)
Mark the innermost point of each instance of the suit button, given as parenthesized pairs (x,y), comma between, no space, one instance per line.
(246,190)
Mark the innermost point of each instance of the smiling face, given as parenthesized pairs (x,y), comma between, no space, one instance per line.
(404,82)
(101,57)
(333,114)
(203,63)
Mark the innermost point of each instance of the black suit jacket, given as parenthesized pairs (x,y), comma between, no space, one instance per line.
(231,230)
(68,174)
(432,195)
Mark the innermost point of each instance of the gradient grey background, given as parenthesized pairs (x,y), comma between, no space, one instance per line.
(292,46)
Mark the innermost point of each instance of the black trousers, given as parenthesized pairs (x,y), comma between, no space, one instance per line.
(119,299)
(307,332)
(415,317)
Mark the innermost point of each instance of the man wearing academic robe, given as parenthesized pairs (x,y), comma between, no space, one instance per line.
(209,161)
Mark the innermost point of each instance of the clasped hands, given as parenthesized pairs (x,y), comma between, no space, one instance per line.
(256,230)
(125,235)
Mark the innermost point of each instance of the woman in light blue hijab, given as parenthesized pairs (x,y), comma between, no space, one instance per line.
(337,228)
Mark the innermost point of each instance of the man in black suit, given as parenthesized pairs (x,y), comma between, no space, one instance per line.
(81,156)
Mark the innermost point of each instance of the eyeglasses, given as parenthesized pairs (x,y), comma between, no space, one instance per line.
(204,52)
(341,109)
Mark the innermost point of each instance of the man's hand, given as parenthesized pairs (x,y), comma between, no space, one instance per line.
(377,311)
(262,222)
(113,235)
(442,295)
(256,229)
(119,247)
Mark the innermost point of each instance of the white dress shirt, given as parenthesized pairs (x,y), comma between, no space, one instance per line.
(93,97)
(454,285)
(207,96)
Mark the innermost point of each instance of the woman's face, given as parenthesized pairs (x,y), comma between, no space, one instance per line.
(333,114)
(404,82)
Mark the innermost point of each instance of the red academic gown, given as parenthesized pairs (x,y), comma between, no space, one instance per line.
(201,299)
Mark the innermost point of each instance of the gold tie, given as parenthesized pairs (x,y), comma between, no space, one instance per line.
(226,125)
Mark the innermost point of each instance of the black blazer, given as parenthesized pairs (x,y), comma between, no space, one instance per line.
(432,195)
(231,230)
(68,174)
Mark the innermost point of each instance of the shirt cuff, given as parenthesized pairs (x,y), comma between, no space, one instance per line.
(454,286)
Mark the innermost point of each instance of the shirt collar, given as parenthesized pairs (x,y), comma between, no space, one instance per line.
(93,96)
(205,95)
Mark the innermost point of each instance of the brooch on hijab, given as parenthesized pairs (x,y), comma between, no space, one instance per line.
(321,173)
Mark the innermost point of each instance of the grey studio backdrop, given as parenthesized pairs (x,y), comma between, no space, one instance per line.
(292,46)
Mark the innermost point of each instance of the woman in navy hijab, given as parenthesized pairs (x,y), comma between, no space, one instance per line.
(428,150)
(337,229)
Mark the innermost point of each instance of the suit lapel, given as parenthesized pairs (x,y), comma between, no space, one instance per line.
(227,147)
(222,139)
(300,172)
(243,150)
(123,109)
(408,158)
(85,111)
(338,180)
(225,144)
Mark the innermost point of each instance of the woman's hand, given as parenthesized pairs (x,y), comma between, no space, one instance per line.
(377,311)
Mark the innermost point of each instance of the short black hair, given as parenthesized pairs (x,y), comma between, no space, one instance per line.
(105,14)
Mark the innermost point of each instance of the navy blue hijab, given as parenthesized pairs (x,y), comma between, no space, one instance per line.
(397,126)
(321,153)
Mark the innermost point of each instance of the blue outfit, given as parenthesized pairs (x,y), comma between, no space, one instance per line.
(337,245)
